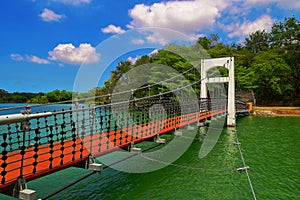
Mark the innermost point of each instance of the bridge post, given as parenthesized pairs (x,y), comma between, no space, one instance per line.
(231,95)
(207,64)
(203,81)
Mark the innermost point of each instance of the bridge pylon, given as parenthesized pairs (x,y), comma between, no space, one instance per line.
(228,63)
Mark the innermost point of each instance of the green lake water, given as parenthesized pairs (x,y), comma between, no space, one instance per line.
(270,146)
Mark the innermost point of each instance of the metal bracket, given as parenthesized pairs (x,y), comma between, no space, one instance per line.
(89,161)
(19,185)
(159,140)
(241,169)
(133,149)
(25,126)
(92,165)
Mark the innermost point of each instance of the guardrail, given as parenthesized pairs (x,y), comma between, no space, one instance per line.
(32,145)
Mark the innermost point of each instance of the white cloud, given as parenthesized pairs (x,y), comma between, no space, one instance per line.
(129,26)
(68,53)
(37,60)
(74,2)
(158,38)
(195,37)
(264,22)
(239,9)
(49,15)
(132,60)
(287,4)
(138,41)
(268,10)
(112,29)
(16,57)
(154,52)
(34,59)
(185,16)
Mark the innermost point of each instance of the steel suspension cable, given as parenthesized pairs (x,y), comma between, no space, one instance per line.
(138,99)
(106,95)
(94,172)
(245,166)
(184,166)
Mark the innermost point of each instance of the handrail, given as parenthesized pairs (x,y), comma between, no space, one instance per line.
(15,118)
(61,138)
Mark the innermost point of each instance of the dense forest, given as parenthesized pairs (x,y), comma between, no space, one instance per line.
(22,97)
(267,64)
(15,97)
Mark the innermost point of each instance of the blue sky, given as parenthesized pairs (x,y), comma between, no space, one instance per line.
(44,42)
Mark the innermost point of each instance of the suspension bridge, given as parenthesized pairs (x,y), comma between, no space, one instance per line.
(36,144)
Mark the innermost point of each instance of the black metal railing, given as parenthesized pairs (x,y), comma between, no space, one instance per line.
(52,140)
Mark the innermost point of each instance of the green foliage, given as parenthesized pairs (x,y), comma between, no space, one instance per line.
(3,96)
(57,95)
(50,97)
(40,98)
(257,41)
(204,42)
(286,35)
(267,63)
(220,50)
(285,38)
(271,74)
(142,60)
(15,97)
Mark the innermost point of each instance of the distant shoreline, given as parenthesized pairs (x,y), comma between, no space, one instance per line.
(276,111)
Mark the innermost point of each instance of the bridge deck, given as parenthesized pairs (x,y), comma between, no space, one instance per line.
(42,160)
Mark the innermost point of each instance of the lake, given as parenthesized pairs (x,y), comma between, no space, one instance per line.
(270,146)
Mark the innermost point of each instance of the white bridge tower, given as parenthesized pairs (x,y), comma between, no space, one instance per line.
(228,63)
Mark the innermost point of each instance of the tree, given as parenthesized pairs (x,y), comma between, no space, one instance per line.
(268,63)
(271,74)
(121,69)
(3,95)
(285,38)
(142,60)
(214,38)
(40,98)
(257,41)
(53,96)
(204,42)
(220,50)
(286,34)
